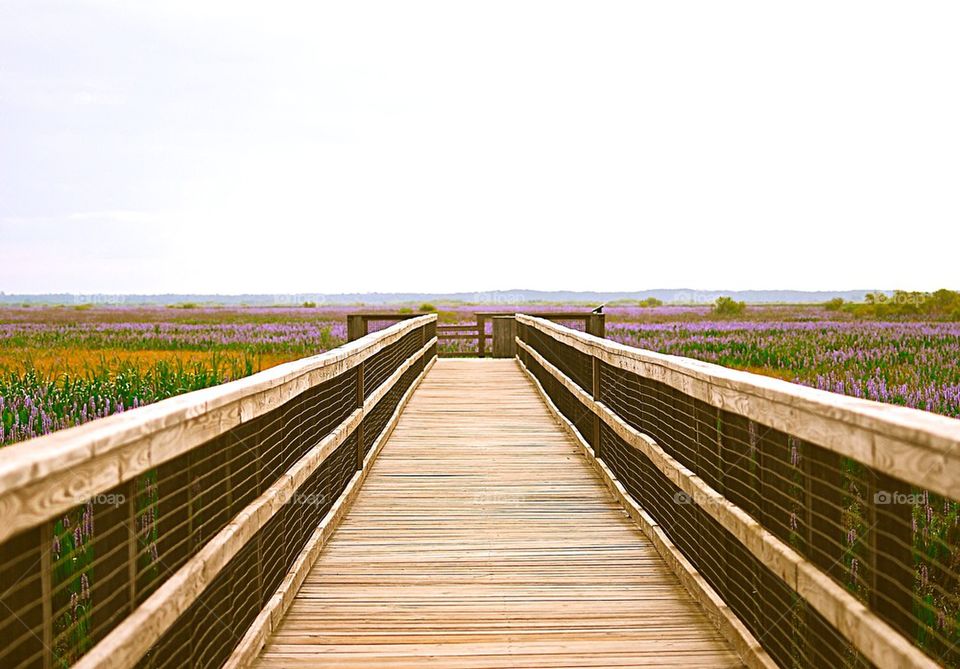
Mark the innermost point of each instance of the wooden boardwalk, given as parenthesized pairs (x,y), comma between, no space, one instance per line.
(482,538)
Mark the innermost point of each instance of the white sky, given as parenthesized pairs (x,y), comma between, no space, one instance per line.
(212,146)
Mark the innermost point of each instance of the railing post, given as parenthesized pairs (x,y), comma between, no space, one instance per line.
(46,591)
(356,327)
(359,430)
(824,510)
(504,334)
(481,335)
(596,398)
(891,546)
(132,542)
(596,325)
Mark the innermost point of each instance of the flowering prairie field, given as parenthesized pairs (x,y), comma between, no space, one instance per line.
(62,366)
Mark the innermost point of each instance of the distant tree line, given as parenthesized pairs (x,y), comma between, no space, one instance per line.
(941,305)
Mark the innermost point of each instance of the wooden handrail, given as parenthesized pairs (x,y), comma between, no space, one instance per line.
(854,428)
(226,465)
(126,644)
(43,477)
(915,446)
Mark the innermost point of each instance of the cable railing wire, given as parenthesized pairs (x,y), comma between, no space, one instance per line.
(66,584)
(892,546)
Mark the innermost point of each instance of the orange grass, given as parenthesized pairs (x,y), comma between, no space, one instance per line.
(76,361)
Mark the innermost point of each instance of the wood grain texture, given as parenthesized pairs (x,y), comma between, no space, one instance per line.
(43,477)
(915,446)
(877,640)
(719,613)
(132,638)
(483,538)
(256,636)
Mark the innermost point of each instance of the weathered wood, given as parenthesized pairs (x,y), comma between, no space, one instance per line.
(356,327)
(132,638)
(915,446)
(596,325)
(876,639)
(736,633)
(595,392)
(504,333)
(359,403)
(269,618)
(46,591)
(482,335)
(892,548)
(132,544)
(593,323)
(44,477)
(378,393)
(505,552)
(358,324)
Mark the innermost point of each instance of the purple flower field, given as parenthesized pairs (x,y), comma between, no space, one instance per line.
(62,366)
(906,363)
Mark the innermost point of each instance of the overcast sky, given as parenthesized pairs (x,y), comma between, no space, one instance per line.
(213,146)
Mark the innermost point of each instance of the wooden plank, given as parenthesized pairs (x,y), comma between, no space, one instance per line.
(482,538)
(443,334)
(723,618)
(256,636)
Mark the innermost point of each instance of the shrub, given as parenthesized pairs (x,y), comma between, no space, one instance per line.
(426,306)
(727,306)
(834,305)
(651,302)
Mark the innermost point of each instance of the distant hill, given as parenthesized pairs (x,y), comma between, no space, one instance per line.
(519,296)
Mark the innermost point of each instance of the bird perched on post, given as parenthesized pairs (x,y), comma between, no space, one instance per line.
(598,310)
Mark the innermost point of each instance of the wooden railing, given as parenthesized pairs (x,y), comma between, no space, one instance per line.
(174,535)
(470,339)
(817,529)
(593,323)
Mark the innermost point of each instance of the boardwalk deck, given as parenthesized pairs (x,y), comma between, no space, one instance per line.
(483,539)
